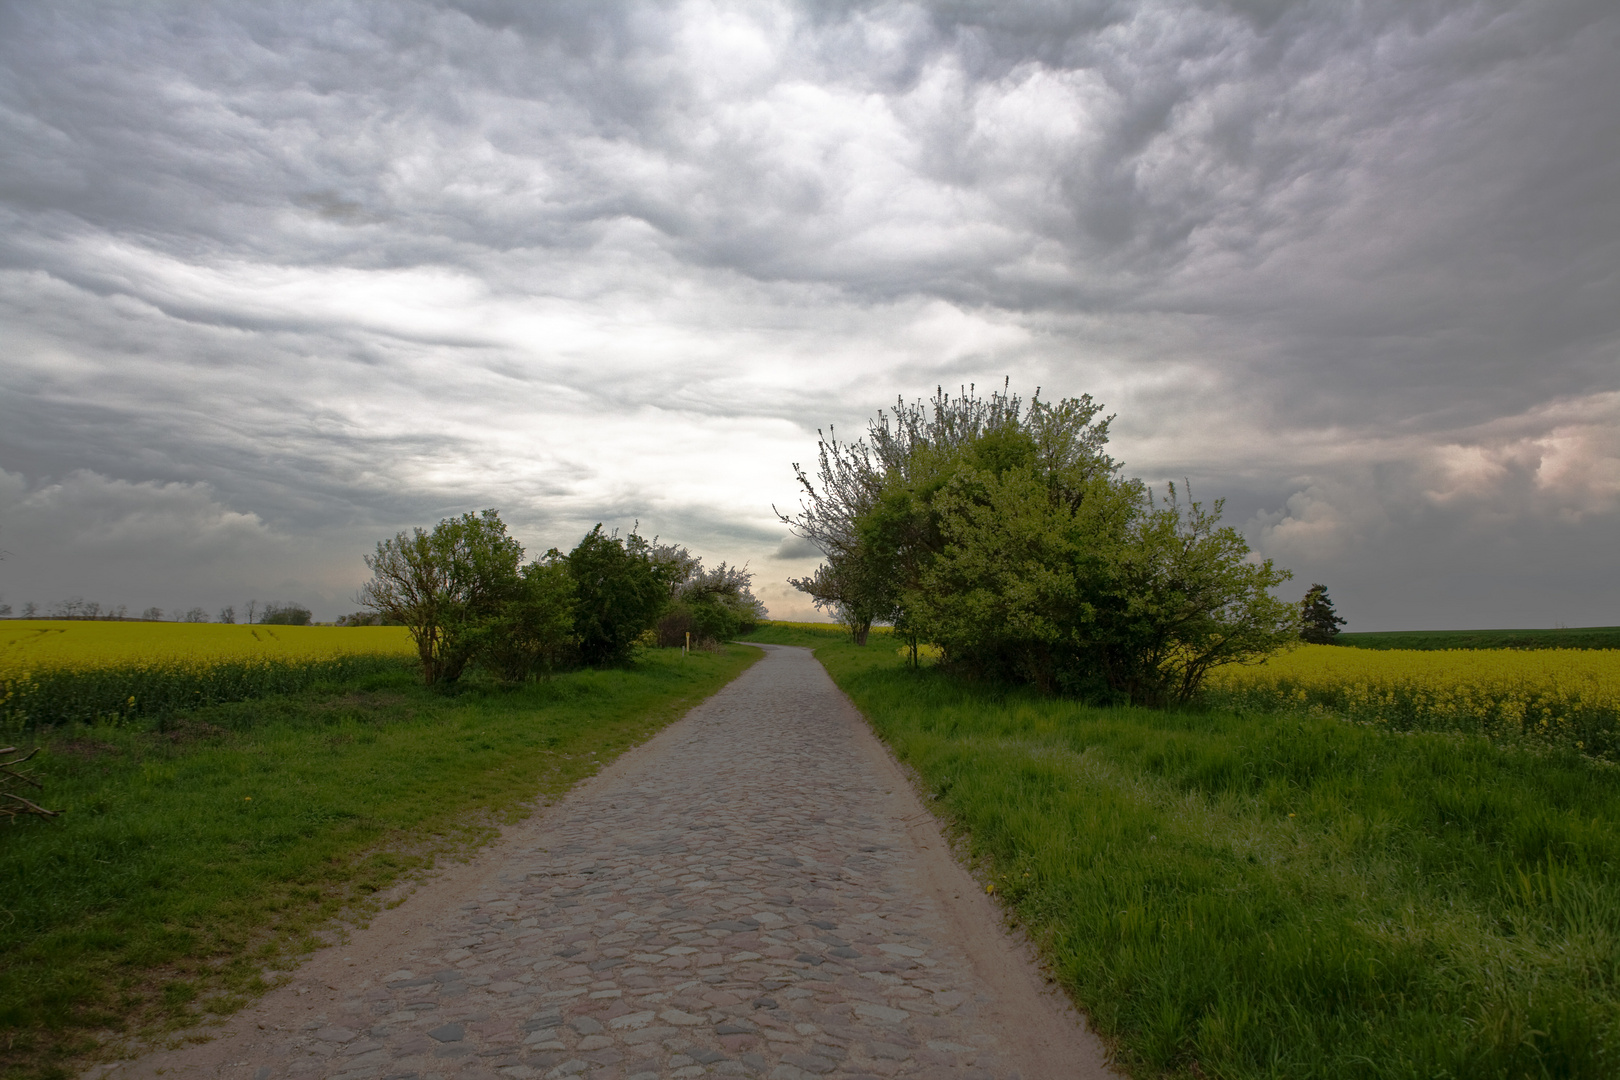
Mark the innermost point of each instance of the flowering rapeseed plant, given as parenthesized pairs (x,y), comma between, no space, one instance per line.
(98,672)
(1568,697)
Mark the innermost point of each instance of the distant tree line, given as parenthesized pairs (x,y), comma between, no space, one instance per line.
(366,618)
(77,608)
(1002,534)
(470,600)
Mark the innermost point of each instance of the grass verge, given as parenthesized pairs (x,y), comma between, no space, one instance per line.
(1264,896)
(192,864)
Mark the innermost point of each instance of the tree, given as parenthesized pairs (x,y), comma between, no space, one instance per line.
(153,614)
(1319,623)
(71,608)
(289,614)
(1004,534)
(227,614)
(619,594)
(721,602)
(444,585)
(533,632)
(854,584)
(853,589)
(861,580)
(674,564)
(1023,567)
(947,464)
(711,605)
(252,610)
(1184,599)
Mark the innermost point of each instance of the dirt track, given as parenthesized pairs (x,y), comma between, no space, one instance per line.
(755,892)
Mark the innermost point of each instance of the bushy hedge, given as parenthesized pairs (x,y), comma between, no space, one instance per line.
(469,600)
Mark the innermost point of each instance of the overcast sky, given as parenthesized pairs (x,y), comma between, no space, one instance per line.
(279,280)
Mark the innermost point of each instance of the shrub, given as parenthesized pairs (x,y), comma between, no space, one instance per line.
(712,605)
(366,618)
(618,592)
(706,618)
(673,627)
(533,633)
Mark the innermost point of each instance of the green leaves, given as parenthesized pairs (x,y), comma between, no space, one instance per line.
(1188,600)
(467,597)
(533,631)
(619,595)
(445,585)
(1007,537)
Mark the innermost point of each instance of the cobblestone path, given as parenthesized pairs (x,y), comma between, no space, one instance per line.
(737,899)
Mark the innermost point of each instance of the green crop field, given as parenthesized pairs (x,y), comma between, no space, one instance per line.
(1268,895)
(191,864)
(1589,637)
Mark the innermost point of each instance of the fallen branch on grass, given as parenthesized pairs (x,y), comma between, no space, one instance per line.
(9,776)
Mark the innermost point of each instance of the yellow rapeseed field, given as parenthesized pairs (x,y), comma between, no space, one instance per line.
(1563,696)
(40,643)
(67,672)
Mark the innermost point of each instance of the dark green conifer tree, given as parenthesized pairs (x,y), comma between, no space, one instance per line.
(1319,623)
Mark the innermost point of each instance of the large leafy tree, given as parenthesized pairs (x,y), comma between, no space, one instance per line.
(1021,575)
(1004,534)
(866,507)
(446,585)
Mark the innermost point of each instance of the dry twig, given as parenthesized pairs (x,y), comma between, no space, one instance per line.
(10,775)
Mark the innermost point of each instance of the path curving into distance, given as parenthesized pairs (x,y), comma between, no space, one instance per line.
(755,892)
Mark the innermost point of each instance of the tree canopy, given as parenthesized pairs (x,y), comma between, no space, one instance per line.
(618,591)
(445,584)
(1002,533)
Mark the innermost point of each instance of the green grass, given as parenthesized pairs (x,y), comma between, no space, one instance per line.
(192,864)
(1590,637)
(812,635)
(1254,896)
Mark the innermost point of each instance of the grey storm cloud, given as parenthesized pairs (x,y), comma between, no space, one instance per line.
(343,268)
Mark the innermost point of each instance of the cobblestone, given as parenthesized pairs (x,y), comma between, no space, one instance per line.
(738,903)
